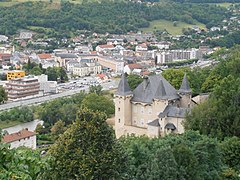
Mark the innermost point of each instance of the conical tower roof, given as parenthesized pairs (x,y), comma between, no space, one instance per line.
(123,87)
(161,92)
(185,88)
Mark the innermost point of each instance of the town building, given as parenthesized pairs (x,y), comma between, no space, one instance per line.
(131,68)
(105,47)
(87,67)
(3,38)
(46,87)
(141,47)
(166,56)
(154,108)
(22,138)
(15,74)
(23,87)
(5,58)
(110,63)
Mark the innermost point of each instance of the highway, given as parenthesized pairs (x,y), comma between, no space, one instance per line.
(42,99)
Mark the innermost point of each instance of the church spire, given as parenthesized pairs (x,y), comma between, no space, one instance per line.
(161,92)
(123,87)
(185,88)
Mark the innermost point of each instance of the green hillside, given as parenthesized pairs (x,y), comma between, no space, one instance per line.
(169,26)
(60,18)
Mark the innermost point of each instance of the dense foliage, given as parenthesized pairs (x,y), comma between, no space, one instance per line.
(54,73)
(22,163)
(197,77)
(99,103)
(87,150)
(220,115)
(22,114)
(227,41)
(189,156)
(105,16)
(134,80)
(3,95)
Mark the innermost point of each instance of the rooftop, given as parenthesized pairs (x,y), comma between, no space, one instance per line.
(17,136)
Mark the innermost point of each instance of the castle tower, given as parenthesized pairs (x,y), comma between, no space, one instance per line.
(123,107)
(185,93)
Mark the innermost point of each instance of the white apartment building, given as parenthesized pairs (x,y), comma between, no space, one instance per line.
(176,55)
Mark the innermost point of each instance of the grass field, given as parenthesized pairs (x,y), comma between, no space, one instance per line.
(168,25)
(226,5)
(6,124)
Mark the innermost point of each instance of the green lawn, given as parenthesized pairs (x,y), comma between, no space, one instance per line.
(226,5)
(6,124)
(168,25)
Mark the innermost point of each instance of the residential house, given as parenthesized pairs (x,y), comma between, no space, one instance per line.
(23,138)
(3,38)
(141,47)
(104,47)
(130,68)
(5,58)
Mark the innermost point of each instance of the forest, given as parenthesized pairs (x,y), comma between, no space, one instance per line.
(106,16)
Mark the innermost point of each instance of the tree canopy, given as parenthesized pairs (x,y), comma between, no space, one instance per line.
(101,17)
(87,150)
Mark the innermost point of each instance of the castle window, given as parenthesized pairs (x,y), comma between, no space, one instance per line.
(118,109)
(119,120)
(134,121)
(142,122)
(142,109)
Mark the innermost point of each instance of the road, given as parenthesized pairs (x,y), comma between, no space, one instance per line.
(43,99)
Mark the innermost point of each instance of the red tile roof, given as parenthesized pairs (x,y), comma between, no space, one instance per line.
(106,46)
(143,45)
(134,66)
(93,52)
(146,73)
(17,136)
(5,56)
(44,56)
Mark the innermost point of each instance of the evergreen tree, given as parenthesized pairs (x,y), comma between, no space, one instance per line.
(88,150)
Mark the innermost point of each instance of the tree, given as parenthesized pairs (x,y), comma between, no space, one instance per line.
(63,75)
(22,163)
(57,129)
(231,152)
(96,89)
(88,150)
(52,73)
(3,95)
(134,80)
(99,103)
(187,156)
(219,116)
(36,71)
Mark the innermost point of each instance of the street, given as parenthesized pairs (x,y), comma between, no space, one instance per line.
(65,91)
